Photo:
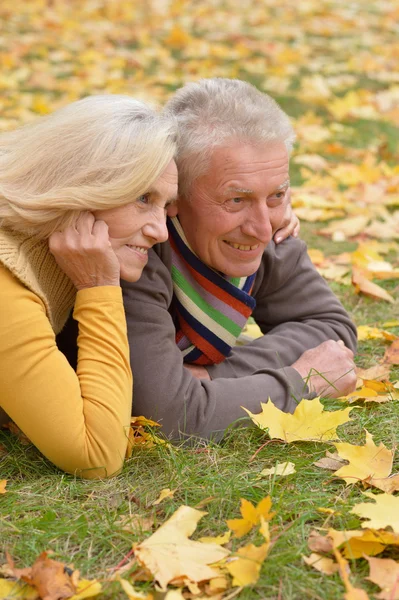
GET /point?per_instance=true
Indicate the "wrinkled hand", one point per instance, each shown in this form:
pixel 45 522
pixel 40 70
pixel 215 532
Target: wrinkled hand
pixel 85 254
pixel 197 371
pixel 328 369
pixel 290 224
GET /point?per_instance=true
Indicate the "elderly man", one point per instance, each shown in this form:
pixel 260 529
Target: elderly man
pixel 220 266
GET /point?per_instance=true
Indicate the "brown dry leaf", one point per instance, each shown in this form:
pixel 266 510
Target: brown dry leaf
pixel 384 572
pixel 367 287
pixel 308 422
pixel 384 513
pixel 245 565
pixel 3 483
pixel 15 430
pixel 377 372
pixel 165 493
pixel 331 461
pixel 321 563
pixel 48 577
pixel 319 543
pixel 170 554
pixel 251 516
pixel 52 581
pixel 369 463
pixel 391 356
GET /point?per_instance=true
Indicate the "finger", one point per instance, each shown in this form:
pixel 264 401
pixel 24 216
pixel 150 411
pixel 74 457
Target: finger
pixel 283 233
pixel 85 222
pixel 100 231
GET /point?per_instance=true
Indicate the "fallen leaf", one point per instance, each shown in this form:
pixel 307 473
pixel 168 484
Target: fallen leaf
pixel 321 563
pixel 364 332
pixel 165 493
pixel 347 228
pixel 392 354
pixel 251 516
pixel 49 577
pixel 366 462
pixel 308 422
pixel 18 590
pixel 352 593
pixel 376 372
pixel 169 554
pixel 132 593
pixel 87 589
pixel 220 540
pixel 319 543
pixel 3 483
pixel 384 513
pixel 245 565
pixel 331 461
pixel 384 572
pixel 367 287
pixel 281 469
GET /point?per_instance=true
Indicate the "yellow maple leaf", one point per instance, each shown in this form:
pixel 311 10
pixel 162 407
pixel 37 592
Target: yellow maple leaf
pixel 281 469
pixel 309 421
pixel 246 564
pixel 220 540
pixel 369 463
pixel 251 516
pixel 17 590
pixel 165 493
pixel 364 332
pixel 169 553
pixel 3 483
pixel 384 513
pixel 132 593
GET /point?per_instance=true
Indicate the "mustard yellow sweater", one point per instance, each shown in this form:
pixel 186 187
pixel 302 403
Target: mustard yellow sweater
pixel 79 420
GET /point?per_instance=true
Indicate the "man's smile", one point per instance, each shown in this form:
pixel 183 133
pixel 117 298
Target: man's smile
pixel 244 247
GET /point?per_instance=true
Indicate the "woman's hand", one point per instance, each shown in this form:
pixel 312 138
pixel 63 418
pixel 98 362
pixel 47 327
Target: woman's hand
pixel 85 254
pixel 290 224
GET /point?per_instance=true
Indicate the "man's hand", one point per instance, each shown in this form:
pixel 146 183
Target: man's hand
pixel 328 369
pixel 85 254
pixel 289 225
pixel 198 371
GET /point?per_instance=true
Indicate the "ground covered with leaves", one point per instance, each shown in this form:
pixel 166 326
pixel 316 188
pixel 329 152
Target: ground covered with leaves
pixel 333 489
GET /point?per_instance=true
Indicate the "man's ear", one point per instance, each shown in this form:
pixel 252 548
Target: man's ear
pixel 171 210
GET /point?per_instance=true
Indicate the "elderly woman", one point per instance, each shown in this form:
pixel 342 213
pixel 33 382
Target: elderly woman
pixel 83 196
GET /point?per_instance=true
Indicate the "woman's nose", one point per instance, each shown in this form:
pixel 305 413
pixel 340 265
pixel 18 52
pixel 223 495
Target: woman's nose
pixel 156 228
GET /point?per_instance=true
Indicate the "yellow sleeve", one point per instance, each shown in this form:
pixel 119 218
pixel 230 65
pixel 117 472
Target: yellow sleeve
pixel 79 420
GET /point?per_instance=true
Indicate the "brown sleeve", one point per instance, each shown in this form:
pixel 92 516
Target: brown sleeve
pixel 165 391
pixel 296 310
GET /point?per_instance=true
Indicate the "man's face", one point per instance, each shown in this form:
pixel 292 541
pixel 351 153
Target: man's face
pixel 235 208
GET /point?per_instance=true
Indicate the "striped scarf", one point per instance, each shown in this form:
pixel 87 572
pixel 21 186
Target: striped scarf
pixel 211 309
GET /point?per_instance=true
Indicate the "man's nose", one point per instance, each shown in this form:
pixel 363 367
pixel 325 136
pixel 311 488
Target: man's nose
pixel 156 227
pixel 258 224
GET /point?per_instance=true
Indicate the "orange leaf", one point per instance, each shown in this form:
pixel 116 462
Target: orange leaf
pixel 392 354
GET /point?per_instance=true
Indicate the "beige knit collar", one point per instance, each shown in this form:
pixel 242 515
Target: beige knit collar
pixel 30 260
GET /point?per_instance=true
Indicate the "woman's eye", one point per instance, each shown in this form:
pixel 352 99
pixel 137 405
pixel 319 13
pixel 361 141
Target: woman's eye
pixel 143 199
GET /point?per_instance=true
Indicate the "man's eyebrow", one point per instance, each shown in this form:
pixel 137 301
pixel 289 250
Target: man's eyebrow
pixel 285 184
pixel 234 190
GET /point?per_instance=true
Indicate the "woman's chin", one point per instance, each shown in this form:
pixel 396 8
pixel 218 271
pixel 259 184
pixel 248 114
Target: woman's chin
pixel 131 274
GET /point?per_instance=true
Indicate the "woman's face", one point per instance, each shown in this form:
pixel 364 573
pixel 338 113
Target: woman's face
pixel 137 226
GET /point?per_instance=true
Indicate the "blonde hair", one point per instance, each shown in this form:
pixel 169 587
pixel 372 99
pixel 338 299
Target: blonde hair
pixel 215 112
pixel 97 153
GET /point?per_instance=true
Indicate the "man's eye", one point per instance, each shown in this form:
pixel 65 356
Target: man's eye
pixel 235 201
pixel 143 199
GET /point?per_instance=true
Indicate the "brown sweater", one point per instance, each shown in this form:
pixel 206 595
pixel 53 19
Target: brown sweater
pixel 295 309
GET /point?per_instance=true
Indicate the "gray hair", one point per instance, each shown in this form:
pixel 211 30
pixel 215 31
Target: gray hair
pixel 215 112
pixel 97 153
